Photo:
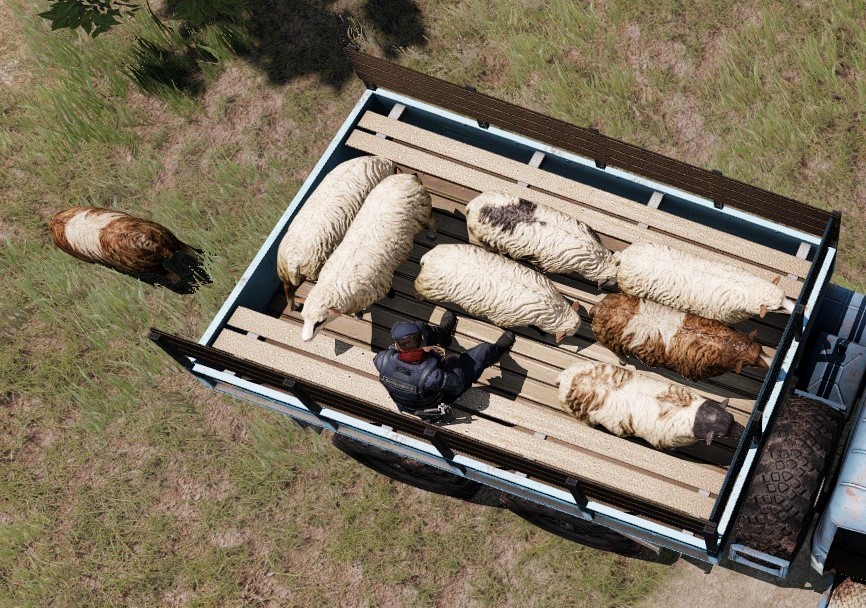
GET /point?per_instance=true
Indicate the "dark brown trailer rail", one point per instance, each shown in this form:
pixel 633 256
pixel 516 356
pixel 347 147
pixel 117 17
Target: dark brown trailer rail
pixel 445 441
pixel 375 72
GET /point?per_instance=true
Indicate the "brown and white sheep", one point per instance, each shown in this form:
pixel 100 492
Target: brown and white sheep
pixel 631 404
pixel 693 284
pixel 324 218
pixel 493 287
pixel 693 346
pixel 117 239
pixel 546 238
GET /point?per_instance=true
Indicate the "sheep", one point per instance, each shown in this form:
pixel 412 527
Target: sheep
pixel 692 284
pixel 626 403
pixel 490 286
pixel 322 222
pixel 361 269
pixel 117 239
pixel 694 347
pixel 549 239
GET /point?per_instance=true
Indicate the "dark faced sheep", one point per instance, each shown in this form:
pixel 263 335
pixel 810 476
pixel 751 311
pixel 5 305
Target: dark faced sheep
pixel 695 347
pixel 630 404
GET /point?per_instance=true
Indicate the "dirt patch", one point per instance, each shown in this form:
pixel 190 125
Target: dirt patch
pixel 690 586
pixel 13 49
pixel 682 117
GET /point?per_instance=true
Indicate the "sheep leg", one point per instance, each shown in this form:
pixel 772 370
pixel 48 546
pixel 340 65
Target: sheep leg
pixel 431 228
pixel 191 251
pixel 171 275
pixel 391 294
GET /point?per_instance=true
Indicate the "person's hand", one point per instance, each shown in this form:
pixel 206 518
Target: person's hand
pixel 436 349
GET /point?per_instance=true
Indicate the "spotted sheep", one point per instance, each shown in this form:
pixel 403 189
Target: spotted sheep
pixel 693 284
pixel 694 347
pixel 630 404
pixel 548 239
pixel 495 288
pixel 117 239
pixel 324 218
pixel 381 237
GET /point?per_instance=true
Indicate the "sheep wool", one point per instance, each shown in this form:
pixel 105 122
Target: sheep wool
pixel 630 404
pixel 490 286
pixel 361 269
pixel 548 239
pixel 116 239
pixel 695 347
pixel 692 284
pixel 323 219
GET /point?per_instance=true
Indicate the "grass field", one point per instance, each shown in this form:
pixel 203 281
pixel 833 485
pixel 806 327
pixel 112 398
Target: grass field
pixel 125 483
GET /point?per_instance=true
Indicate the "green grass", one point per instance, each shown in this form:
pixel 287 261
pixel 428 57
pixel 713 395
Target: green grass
pixel 124 482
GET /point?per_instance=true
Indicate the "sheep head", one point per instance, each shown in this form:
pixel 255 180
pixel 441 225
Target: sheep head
pixel 315 320
pixel 713 420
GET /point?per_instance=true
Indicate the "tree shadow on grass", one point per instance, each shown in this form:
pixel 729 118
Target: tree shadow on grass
pixel 285 40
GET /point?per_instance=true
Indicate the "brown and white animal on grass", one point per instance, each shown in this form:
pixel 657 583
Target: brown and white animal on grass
pixel 693 346
pixel 630 404
pixel 117 239
pixel 548 239
pixel 693 284
pixel 495 288
pixel 361 269
pixel 324 218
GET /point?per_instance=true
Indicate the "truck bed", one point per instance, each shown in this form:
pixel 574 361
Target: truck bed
pixel 515 405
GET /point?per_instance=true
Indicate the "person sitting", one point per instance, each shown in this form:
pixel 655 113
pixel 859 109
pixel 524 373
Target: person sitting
pixel 419 377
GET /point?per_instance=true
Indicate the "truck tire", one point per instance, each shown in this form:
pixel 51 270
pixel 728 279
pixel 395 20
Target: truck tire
pixel 791 466
pixel 407 470
pixel 572 528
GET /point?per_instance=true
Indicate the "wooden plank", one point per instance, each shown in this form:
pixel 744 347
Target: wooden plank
pixel 780 262
pixel 543 360
pixel 615 227
pixel 551 423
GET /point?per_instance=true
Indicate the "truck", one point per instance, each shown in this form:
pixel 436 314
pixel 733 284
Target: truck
pixel 799 465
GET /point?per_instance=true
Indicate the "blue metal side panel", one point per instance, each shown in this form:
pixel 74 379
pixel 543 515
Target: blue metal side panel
pixel 847 506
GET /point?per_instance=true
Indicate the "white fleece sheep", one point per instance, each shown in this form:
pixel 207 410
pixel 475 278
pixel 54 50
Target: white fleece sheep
pixel 322 222
pixel 549 239
pixel 692 284
pixel 361 269
pixel 625 403
pixel 490 286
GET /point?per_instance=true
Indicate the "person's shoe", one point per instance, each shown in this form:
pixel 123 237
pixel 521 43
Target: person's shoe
pixel 505 342
pixel 447 327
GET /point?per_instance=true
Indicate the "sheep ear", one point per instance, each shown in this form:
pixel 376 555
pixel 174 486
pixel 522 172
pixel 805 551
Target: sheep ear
pixel 752 334
pixel 777 279
pixel 575 306
pixel 725 403
pixel 560 336
pixel 601 282
pixel 709 437
pixel 397 170
pixel 762 312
